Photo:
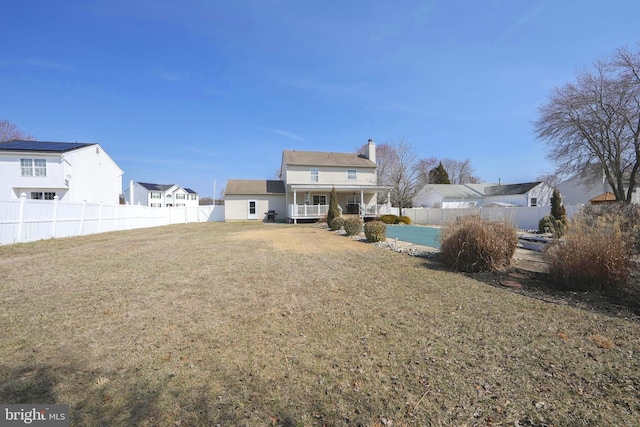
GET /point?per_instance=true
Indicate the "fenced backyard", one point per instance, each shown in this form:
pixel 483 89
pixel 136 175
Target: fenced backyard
pixel 206 324
pixel 26 220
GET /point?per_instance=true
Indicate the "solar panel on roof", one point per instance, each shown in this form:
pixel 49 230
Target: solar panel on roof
pixel 57 147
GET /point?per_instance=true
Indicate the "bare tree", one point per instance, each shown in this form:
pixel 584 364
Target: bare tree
pixel 594 123
pixel 551 179
pixel 403 174
pixel 400 169
pixel 459 171
pixel 425 166
pixel 9 131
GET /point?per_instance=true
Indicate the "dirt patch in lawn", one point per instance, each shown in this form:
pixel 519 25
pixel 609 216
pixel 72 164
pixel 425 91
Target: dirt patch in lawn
pixel 301 240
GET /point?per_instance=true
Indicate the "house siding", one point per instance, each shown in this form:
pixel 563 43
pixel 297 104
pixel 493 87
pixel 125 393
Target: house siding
pixel 329 175
pixel 94 175
pixel 237 207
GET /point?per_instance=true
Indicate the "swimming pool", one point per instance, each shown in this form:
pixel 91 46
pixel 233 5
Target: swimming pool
pixel 418 234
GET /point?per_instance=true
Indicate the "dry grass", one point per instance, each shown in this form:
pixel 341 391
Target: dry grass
pixel 247 324
pixel 475 244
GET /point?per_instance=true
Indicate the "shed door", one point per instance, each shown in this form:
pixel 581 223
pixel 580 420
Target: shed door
pixel 253 209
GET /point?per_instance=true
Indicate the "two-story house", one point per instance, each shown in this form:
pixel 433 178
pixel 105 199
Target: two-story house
pixel 306 181
pixel 160 195
pixel 65 171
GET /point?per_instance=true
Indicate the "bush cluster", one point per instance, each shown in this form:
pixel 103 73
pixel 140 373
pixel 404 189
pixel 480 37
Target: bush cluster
pixel 337 223
pixel 375 231
pixel 549 224
pixel 395 219
pixel 352 225
pixel 474 244
pixel 620 215
pixel 389 219
pixel 595 253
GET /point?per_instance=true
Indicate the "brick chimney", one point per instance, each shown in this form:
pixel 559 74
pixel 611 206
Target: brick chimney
pixel 370 151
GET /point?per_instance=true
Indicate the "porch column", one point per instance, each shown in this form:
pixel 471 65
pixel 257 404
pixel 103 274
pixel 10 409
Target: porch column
pixel 295 208
pixel 363 211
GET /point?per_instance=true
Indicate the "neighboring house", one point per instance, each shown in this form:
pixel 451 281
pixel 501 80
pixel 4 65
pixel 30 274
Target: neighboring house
pixel 581 188
pixel 451 196
pixel 160 195
pixel 306 181
pixel 70 172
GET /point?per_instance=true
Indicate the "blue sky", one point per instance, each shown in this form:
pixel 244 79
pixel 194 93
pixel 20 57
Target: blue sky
pixel 194 91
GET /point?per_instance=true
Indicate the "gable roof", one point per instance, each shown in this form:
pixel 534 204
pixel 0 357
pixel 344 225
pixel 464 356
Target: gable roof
pixel 510 189
pixel 41 146
pixel 254 186
pixel 320 158
pixel 190 191
pixel 455 190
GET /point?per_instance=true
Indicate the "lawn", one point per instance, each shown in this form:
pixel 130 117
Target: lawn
pixel 264 325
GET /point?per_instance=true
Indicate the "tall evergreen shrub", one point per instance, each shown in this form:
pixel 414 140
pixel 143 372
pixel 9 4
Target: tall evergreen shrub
pixel 334 211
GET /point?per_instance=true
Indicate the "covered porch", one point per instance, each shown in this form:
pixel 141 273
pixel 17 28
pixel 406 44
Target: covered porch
pixel 311 202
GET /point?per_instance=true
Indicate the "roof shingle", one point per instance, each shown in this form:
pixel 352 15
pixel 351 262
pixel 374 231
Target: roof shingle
pixel 319 158
pixel 254 186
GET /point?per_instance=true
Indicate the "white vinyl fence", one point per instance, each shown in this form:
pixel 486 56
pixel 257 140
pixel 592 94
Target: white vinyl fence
pixel 524 218
pixel 27 220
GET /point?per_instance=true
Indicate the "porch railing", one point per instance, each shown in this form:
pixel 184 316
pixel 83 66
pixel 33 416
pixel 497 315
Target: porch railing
pixel 318 211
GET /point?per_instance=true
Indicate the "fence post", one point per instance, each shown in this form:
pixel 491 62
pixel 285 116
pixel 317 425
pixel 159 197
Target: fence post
pixel 100 219
pixel 23 198
pixel 84 206
pixel 56 200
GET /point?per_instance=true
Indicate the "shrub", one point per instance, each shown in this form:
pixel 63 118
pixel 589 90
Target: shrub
pixel 375 231
pixel 474 244
pixel 352 225
pixel 389 219
pixel 552 225
pixel 589 257
pixel 337 223
pixel 625 216
pixel 334 211
pixel 404 219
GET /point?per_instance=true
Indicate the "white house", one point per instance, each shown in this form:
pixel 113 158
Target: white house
pixel 306 181
pixel 70 172
pixel 160 195
pixel 581 188
pixel 449 196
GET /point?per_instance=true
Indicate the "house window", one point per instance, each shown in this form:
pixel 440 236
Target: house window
pixel 351 174
pixel 534 201
pixel 33 167
pixel 180 204
pixel 180 196
pixel 39 195
pixel 193 197
pixel 156 196
pixel 314 174
pixel 319 199
pixel 156 205
pixel 353 200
